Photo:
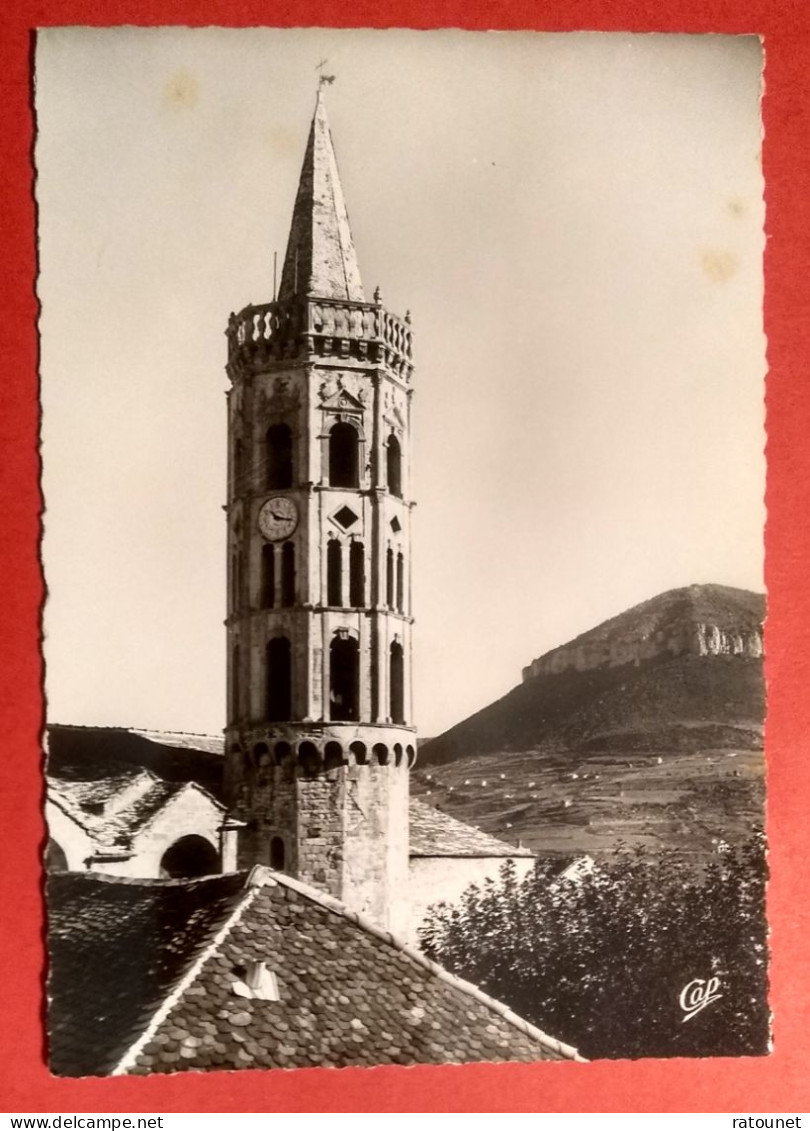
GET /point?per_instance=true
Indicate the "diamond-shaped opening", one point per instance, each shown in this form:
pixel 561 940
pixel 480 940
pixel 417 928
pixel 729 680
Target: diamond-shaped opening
pixel 396 526
pixel 346 517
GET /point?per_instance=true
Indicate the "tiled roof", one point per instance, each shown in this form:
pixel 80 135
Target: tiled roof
pixel 434 833
pixel 117 947
pixel 348 993
pixel 183 740
pixel 116 825
pixel 91 752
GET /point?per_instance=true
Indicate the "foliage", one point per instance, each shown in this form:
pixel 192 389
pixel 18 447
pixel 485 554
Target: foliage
pixel 600 961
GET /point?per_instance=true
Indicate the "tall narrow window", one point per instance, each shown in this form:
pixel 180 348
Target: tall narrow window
pixel 288 574
pixel 389 578
pixel 277 854
pixel 400 583
pixel 344 679
pixel 334 573
pixel 268 575
pixel 394 464
pixel 235 581
pixel 397 684
pixel 238 466
pixel 357 579
pixel 234 704
pixel 343 456
pixel 279 456
pixel 279 680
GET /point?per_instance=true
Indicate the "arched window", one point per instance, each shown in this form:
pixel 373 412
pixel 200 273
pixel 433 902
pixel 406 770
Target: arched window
pixel 189 857
pixel 279 456
pixel 238 466
pixel 236 582
pixel 400 583
pixel 397 684
pixel 394 466
pixel 344 679
pixel 389 578
pixel 288 574
pixel 268 575
pixel 357 579
pixel 279 680
pixel 344 462
pixel 235 684
pixel 334 573
pixel 277 854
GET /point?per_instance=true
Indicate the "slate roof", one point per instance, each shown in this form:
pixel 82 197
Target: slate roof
pixel 433 833
pixel 145 976
pixel 117 825
pixel 117 947
pixel 320 257
pixel 183 740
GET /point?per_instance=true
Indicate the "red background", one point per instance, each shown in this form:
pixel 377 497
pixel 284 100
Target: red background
pixel 779 1083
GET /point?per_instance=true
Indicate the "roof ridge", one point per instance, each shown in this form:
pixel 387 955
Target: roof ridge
pixel 162 730
pixel 170 1000
pixel 58 802
pixel 260 876
pixel 176 790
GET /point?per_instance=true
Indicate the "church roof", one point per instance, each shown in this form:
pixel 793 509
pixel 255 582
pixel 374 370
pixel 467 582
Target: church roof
pixel 150 976
pixel 433 833
pixel 320 259
pixel 114 809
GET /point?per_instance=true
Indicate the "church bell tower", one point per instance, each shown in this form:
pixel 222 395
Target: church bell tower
pixel 319 739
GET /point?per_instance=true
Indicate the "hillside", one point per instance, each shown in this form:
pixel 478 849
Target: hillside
pixel 648 729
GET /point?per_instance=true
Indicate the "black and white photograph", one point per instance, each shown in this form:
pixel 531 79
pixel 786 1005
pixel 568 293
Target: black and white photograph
pixel 403 466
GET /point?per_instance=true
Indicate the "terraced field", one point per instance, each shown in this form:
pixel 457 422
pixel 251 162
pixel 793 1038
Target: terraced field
pixel 566 803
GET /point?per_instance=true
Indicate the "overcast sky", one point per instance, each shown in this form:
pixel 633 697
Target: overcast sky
pixel 575 222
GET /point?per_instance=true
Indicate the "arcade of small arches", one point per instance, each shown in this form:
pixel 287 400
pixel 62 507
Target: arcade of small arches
pixel 315 757
pixel 344 441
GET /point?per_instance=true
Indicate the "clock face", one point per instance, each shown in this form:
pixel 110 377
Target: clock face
pixel 278 518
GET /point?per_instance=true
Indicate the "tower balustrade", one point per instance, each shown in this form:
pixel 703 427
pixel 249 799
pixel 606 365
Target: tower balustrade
pixel 303 327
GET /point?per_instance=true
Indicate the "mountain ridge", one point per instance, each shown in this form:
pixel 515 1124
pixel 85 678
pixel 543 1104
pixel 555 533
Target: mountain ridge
pixel 645 729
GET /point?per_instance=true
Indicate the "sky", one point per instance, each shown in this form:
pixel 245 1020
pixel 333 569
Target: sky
pixel 575 222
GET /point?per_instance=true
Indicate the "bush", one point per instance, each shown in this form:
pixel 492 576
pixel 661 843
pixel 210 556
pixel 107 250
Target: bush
pixel 601 962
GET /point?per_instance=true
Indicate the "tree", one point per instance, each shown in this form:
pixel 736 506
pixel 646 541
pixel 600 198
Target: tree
pixel 610 962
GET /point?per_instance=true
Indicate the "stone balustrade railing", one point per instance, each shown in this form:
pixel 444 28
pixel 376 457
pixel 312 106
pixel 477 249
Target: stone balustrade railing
pixel 301 327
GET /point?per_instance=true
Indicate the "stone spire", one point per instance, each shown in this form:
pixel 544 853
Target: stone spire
pixel 320 260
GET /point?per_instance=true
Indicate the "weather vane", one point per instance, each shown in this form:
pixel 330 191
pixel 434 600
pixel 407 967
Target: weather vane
pixel 324 79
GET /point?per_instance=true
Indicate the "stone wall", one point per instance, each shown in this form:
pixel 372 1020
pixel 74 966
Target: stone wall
pixel 189 813
pixel 343 824
pixel 697 640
